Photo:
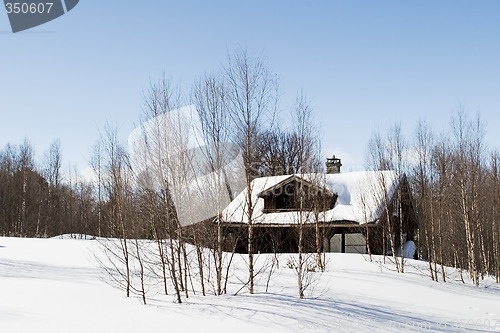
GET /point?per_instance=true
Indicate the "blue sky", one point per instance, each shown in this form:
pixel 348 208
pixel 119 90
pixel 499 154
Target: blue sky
pixel 363 64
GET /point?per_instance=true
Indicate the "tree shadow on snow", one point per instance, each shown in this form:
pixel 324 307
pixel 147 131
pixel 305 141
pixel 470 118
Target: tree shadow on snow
pixel 325 315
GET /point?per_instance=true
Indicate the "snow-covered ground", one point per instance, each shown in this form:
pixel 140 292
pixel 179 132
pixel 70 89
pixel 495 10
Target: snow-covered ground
pixel 54 285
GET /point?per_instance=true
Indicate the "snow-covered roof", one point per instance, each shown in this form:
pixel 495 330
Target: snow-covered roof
pixel 360 198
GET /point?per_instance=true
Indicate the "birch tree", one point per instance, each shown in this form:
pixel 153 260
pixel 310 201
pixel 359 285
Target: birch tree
pixel 153 156
pixel 211 101
pixel 396 151
pixel 468 150
pixel 495 211
pixel 422 171
pixel 117 186
pixel 53 163
pixel 252 99
pixel 378 159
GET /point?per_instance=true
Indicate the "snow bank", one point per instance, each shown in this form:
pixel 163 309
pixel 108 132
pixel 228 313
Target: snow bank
pixel 53 285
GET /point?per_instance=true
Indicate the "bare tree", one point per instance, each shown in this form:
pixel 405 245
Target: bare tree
pixel 440 213
pixel 153 161
pixel 469 150
pixel 26 164
pixel 309 202
pixel 379 159
pixel 53 175
pixel 96 163
pixel 252 98
pixel 170 155
pixel 397 149
pixel 117 185
pixel 142 275
pixel 422 171
pixel 210 99
pixel 495 180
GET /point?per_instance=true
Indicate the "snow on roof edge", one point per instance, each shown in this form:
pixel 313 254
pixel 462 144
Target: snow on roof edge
pixel 360 198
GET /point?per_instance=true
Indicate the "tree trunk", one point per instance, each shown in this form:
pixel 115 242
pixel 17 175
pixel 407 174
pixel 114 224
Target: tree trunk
pixel 318 245
pixel 199 255
pixel 219 257
pixel 469 234
pixel 141 271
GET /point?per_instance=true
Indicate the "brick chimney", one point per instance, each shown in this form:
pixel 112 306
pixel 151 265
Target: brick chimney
pixel 333 165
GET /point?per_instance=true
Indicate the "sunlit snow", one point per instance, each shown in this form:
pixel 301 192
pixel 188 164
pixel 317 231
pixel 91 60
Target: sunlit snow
pixel 54 285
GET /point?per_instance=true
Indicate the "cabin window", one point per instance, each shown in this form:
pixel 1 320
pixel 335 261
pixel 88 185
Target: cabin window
pixel 294 196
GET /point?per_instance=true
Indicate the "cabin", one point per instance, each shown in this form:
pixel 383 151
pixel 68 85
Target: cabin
pixel 352 212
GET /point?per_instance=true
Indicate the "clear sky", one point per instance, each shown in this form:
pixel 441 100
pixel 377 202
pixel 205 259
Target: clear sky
pixel 363 64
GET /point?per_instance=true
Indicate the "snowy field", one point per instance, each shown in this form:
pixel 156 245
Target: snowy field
pixel 55 285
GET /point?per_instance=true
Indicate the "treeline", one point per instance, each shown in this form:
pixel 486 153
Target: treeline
pixel 455 184
pixel 34 199
pixel 38 199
